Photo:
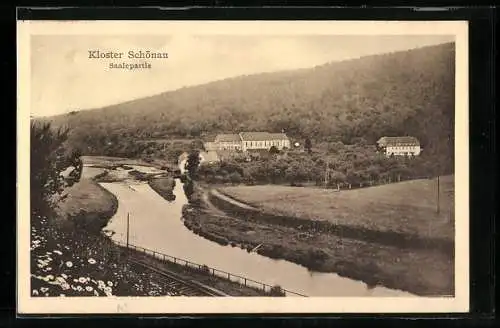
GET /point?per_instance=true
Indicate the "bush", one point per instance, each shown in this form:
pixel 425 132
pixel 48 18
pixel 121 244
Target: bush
pixel 235 177
pixel 276 290
pixel 205 269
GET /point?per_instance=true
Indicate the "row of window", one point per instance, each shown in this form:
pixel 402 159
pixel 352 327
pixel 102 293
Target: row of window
pixel 401 148
pixel 254 144
pixel 263 143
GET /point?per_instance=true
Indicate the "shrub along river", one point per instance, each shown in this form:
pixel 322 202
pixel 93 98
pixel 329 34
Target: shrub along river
pixel 156 224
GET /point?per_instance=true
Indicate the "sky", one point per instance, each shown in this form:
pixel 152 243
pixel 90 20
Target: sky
pixel 64 79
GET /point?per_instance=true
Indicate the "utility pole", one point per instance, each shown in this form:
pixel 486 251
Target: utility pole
pixel 326 173
pixel 438 194
pixel 128 228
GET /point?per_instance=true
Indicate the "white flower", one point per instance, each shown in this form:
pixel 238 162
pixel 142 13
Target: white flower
pixel 96 293
pixel 82 280
pixel 65 286
pixel 110 284
pixel 107 289
pixel 89 288
pixel 79 288
pixel 91 261
pixel 69 264
pixel 34 292
pixel 44 289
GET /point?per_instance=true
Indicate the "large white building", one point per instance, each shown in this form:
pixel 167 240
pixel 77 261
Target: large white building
pixel 399 146
pixel 246 141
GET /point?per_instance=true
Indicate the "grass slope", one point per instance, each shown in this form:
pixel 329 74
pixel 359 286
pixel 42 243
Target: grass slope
pixel 87 205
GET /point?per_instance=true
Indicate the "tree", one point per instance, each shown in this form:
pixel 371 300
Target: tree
pixel 308 145
pixel 235 177
pixel 192 164
pixel 49 158
pixel 273 150
pixel 337 177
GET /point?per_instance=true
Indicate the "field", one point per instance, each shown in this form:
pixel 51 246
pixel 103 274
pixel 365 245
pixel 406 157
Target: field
pixel 407 207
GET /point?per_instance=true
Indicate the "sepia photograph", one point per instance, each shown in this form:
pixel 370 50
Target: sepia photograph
pixel 264 167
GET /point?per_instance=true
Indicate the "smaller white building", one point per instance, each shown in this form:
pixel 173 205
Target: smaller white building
pixel 399 146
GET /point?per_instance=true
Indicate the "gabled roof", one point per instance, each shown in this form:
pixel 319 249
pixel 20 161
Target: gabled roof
pixel 232 137
pixel 262 136
pixel 279 136
pixel 395 141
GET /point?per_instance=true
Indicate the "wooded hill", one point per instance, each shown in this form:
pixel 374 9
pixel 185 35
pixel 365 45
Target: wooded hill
pixel 355 101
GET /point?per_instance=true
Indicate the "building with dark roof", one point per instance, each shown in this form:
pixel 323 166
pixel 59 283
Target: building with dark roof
pixel 230 141
pixel 399 146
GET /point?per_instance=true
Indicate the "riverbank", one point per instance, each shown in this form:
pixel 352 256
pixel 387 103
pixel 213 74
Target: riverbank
pixel 163 186
pixel 418 271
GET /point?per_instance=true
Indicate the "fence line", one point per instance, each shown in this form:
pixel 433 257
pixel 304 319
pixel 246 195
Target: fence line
pixel 371 183
pixel 245 281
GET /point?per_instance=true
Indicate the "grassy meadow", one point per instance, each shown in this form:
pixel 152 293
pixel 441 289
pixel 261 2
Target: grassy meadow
pixel 407 207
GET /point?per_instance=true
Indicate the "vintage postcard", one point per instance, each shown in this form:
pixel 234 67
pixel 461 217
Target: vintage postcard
pixel 242 167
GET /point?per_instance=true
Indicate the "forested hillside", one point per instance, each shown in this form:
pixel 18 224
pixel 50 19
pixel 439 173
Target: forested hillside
pixel 354 101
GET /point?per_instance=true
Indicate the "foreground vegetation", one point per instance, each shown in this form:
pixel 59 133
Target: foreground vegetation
pixel 74 262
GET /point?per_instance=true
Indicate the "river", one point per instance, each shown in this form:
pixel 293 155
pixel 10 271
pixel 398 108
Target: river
pixel 156 224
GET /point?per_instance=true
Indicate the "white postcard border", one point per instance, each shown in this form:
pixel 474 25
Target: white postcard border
pixel 164 305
